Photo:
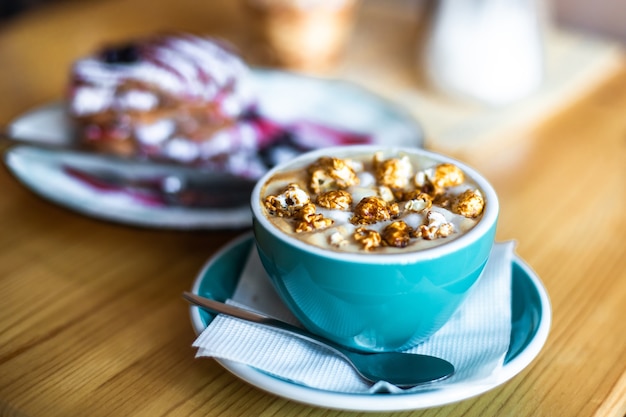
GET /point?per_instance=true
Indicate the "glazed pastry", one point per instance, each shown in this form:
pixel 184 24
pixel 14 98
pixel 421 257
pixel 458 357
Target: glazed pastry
pixel 171 97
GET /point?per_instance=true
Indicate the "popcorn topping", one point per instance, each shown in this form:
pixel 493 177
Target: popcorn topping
pixel 372 210
pixel 309 220
pixel 331 173
pixel 397 234
pixel 285 204
pixel 336 199
pixel 369 239
pixel 447 175
pixel 435 226
pixel 374 204
pixel 393 173
pixel 469 204
pixel 337 240
pixel 437 179
pixel 386 194
pixel 417 201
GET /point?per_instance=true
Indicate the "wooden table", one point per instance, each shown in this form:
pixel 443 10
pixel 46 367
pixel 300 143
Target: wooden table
pixel 91 318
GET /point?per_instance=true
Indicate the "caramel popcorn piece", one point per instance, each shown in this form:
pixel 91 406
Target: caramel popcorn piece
pixel 369 239
pixel 394 173
pixel 422 182
pixel 309 220
pixel 386 193
pixel 435 226
pixel 397 234
pixel 330 173
pixel 335 199
pixel 469 204
pixel 437 179
pixel 287 202
pixel 447 175
pixel 337 240
pixel 417 201
pixel 373 209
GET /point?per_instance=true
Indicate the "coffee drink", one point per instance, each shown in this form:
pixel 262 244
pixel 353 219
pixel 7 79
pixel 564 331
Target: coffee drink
pixel 373 203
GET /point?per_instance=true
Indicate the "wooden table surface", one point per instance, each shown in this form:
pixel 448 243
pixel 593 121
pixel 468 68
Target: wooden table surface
pixel 91 318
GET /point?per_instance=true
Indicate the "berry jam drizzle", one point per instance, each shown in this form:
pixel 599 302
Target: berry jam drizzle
pixel 297 137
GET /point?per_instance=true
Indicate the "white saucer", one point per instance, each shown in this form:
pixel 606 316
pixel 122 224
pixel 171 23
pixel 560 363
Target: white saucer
pixel 283 96
pixel 531 318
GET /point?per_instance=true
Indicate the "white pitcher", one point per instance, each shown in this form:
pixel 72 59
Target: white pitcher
pixel 488 50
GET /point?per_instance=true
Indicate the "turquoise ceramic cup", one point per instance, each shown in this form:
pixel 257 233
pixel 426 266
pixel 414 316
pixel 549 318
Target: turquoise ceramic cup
pixel 368 301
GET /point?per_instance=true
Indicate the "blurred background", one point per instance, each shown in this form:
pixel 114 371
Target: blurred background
pixel 602 17
pixel 473 73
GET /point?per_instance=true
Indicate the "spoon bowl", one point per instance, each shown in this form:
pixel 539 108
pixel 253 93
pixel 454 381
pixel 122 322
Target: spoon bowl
pixel 401 369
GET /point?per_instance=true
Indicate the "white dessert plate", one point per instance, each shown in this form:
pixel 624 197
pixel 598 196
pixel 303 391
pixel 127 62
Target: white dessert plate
pixel 283 98
pixel 531 318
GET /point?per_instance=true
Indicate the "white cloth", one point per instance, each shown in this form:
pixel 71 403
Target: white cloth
pixel 475 340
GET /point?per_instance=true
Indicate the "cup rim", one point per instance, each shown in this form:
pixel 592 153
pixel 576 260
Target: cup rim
pixel 489 216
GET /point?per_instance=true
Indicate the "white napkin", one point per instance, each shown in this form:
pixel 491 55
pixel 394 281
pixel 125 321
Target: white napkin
pixel 475 340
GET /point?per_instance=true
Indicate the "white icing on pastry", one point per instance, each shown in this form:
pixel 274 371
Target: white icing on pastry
pixel 185 67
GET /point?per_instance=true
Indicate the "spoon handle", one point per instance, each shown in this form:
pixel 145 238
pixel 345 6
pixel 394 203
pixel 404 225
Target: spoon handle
pixel 401 369
pixel 244 314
